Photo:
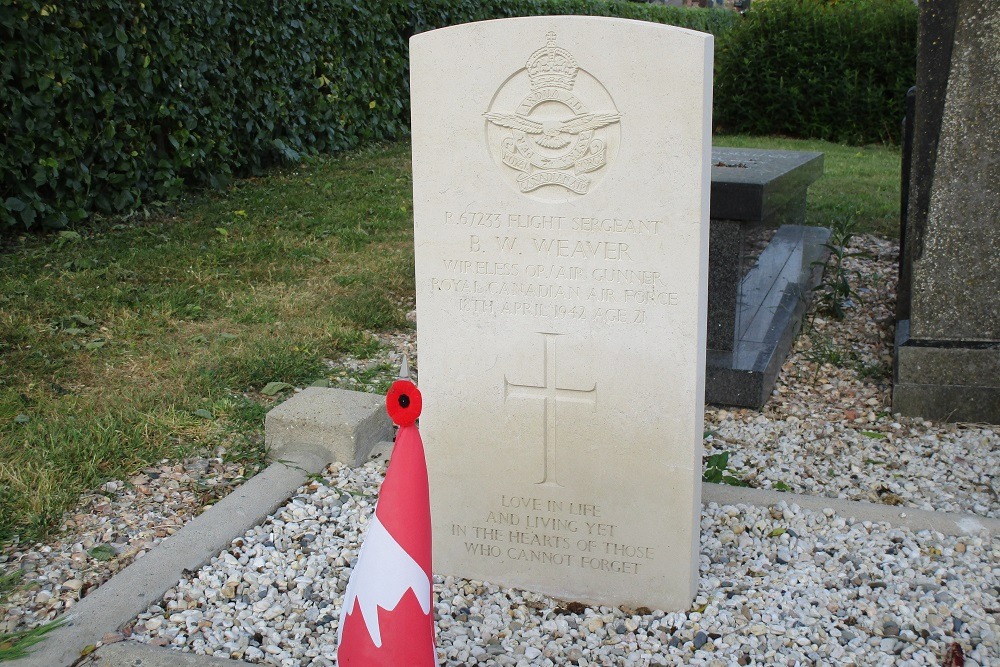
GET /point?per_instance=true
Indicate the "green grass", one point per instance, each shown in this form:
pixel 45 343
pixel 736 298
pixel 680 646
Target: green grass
pixel 134 340
pixel 117 340
pixel 15 645
pixel 8 581
pixel 861 183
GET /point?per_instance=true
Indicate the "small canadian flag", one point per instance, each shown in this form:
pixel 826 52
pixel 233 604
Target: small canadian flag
pixel 387 619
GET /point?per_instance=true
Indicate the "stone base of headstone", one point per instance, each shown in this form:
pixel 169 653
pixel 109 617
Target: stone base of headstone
pixel 946 381
pixel 773 299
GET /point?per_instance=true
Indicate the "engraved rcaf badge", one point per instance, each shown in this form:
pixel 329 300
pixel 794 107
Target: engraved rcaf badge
pixel 552 127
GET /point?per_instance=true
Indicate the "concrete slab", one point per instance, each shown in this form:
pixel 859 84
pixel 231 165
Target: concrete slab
pixel 902 517
pixel 344 423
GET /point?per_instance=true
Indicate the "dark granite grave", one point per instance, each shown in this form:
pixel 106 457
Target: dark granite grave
pixel 948 329
pixel 758 290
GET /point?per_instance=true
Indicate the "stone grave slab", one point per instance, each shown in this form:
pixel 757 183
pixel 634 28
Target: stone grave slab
pixel 772 301
pixel 757 297
pixel 561 194
pixel 762 186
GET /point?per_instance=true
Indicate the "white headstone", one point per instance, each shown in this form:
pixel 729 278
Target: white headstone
pixel 561 170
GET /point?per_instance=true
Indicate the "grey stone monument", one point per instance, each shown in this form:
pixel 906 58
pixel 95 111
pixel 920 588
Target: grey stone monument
pixel 948 329
pixel 763 265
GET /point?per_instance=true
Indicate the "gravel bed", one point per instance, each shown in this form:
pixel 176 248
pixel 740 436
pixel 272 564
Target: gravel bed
pixel 779 586
pixel 107 531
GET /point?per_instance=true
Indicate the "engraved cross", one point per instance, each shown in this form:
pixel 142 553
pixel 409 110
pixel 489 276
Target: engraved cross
pixel 552 394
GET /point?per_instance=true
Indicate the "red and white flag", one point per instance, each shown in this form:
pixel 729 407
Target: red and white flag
pixel 387 619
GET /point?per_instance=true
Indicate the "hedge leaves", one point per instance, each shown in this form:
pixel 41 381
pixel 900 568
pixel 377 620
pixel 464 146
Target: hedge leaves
pixel 826 69
pixel 106 105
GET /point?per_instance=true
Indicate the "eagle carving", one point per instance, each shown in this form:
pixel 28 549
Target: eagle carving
pixel 554 133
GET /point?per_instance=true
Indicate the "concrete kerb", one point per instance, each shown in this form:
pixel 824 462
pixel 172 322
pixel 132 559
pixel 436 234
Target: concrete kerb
pixel 362 429
pixel 134 654
pixel 355 422
pixel 945 523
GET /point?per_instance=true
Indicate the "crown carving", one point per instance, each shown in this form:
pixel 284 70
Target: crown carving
pixel 552 66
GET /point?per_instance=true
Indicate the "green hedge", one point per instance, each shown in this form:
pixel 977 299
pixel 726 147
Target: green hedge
pixel 109 104
pixel 828 69
pixel 431 14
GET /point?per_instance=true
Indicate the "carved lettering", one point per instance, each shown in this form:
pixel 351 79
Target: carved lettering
pixel 615 225
pixel 551 523
pixel 651 298
pixel 529 290
pixel 535 221
pixel 505 243
pixel 521 502
pixel 628 551
pixel 600 529
pixel 539 540
pixel 473 219
pixel 526 289
pixel 608 565
pixel 554 271
pixel 486 550
pixel 503 518
pixel 626 276
pixel 611 315
pixel 450 285
pixel 539 556
pixel 481 533
pixel 584 509
pixel 467 266
pixel 600 295
pixel 608 250
pixel 554 532
pixel 589 224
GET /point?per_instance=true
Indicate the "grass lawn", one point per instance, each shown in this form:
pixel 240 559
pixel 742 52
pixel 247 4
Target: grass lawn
pixel 150 338
pixel 860 183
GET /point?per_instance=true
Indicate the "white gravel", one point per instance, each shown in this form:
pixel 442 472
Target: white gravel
pixel 779 586
pixel 107 531
pixel 904 462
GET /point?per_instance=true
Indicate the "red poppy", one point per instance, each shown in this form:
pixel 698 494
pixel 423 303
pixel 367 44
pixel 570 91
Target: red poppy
pixel 403 402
